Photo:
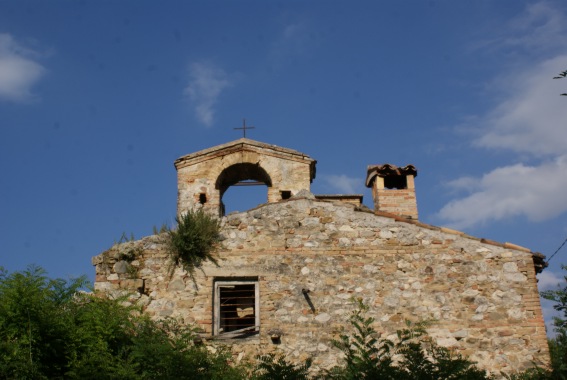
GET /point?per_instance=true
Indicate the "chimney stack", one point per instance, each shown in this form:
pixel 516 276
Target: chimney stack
pixel 393 189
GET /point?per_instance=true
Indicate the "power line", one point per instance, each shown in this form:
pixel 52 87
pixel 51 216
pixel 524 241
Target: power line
pixel 557 250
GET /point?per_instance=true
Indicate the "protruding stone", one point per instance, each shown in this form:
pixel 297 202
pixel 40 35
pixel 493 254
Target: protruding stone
pixel 121 267
pixel 323 317
pixel 176 284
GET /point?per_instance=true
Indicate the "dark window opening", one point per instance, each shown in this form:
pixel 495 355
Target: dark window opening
pixel 236 308
pixel 286 194
pixel 396 182
pixel 202 198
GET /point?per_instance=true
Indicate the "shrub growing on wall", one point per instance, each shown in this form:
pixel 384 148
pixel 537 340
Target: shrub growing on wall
pixel 194 240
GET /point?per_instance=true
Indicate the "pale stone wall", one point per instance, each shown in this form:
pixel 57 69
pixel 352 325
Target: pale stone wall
pixel 481 297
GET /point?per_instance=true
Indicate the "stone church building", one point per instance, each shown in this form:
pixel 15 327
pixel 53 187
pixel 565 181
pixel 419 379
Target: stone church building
pixel 289 270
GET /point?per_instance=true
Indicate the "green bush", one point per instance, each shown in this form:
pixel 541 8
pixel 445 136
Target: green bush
pixel 49 330
pixel 194 240
pixel 368 356
pixel 35 324
pixel 557 345
pixel 270 367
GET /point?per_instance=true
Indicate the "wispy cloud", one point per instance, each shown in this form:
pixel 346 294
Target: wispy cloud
pixel 547 280
pixel 533 118
pixel 540 28
pixel 536 192
pixel 292 41
pixel 18 70
pixel 206 83
pixel 343 183
pixel 530 120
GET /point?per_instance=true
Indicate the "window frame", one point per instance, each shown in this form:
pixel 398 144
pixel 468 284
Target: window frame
pixel 244 332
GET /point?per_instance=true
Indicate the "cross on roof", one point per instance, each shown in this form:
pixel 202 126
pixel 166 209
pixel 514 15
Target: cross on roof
pixel 244 127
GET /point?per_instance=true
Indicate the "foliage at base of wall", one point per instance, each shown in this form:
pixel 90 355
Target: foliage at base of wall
pixel 557 345
pixel 194 240
pixel 272 367
pixel 412 356
pixel 49 329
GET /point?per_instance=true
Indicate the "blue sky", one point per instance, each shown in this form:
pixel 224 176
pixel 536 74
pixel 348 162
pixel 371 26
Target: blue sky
pixel 98 98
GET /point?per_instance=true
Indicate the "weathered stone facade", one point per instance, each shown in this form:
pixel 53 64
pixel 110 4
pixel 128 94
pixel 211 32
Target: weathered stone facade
pixel 309 258
pixel 204 176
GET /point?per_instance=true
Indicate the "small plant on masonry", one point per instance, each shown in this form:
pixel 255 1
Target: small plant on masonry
pixel 194 240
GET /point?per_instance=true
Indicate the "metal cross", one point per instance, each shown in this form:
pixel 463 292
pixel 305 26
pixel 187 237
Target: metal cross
pixel 244 127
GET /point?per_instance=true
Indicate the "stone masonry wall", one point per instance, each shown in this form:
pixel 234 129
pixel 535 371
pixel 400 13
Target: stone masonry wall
pixel 481 298
pixel 198 174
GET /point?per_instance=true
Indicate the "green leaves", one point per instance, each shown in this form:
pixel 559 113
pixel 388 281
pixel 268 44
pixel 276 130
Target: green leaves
pixel 34 324
pixel 368 356
pixel 49 330
pixel 194 240
pixel 561 75
pixel 557 345
pixel 270 367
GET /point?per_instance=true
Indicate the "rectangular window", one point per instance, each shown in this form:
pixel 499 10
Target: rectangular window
pixel 236 308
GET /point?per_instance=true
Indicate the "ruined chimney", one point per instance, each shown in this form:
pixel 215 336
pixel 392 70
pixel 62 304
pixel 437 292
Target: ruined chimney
pixel 393 189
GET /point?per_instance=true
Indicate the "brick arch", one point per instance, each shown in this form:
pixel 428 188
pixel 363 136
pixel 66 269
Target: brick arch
pixel 203 177
pixel 241 172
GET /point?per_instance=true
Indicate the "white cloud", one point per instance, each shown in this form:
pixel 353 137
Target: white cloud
pixel 293 41
pixel 539 29
pixel 206 83
pixel 541 26
pixel 464 183
pixel 18 71
pixel 342 183
pixel 536 192
pixel 530 120
pixel 533 118
pixel 547 280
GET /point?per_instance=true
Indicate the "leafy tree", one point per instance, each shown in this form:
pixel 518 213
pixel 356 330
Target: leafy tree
pixel 367 356
pixel 424 359
pixel 561 75
pixel 101 338
pixel 270 367
pixel 558 345
pixel 165 350
pixel 34 323
pixel 50 330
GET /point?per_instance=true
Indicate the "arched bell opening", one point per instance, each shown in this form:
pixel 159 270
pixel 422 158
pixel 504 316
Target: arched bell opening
pixel 240 177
